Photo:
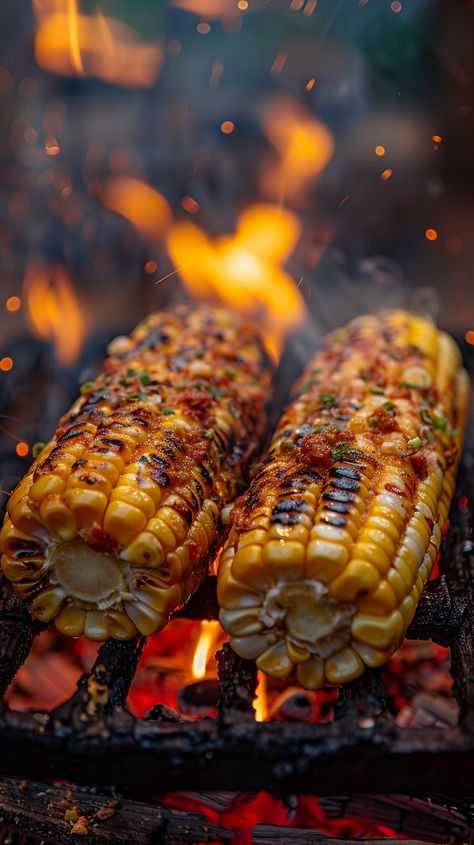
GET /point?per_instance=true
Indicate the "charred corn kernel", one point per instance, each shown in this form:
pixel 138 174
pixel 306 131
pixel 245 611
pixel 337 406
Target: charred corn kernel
pixel 71 621
pixel 346 510
pixel 121 510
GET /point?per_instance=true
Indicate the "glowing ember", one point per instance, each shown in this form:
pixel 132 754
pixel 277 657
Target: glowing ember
pixel 431 235
pixel 469 336
pixel 144 207
pixel 54 312
pixel 13 303
pixel 73 44
pixel 209 634
pixel 260 703
pixel 203 28
pixel 190 205
pixel 303 143
pixel 379 150
pixel 386 174
pixel 310 84
pixel 244 270
pixel 22 449
pixel 227 127
pixel 6 364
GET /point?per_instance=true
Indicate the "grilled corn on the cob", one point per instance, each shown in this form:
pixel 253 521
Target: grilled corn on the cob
pixel 112 527
pixel 333 543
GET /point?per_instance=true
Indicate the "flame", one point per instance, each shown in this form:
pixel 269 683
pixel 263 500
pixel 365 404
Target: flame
pixel 53 310
pixel 146 209
pixel 303 143
pixel 244 270
pixel 208 8
pixel 260 701
pixel 207 638
pixel 72 44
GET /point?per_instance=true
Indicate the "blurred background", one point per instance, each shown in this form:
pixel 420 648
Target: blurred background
pixel 301 160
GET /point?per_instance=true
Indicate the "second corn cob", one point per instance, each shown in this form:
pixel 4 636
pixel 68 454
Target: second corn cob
pixel 112 527
pixel 333 543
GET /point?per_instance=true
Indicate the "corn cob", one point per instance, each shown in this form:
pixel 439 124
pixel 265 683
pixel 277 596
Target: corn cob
pixel 112 527
pixel 331 547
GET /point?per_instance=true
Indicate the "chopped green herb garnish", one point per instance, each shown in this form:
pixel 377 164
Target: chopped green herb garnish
pixel 130 372
pixel 144 377
pixel 373 421
pixel 415 444
pixel 37 448
pixel 230 374
pixel 416 349
pixel 87 387
pixel 377 390
pixel 364 376
pixel 167 411
pixel 216 391
pixel 199 353
pixel 138 396
pixel 339 450
pixel 326 399
pixel 389 406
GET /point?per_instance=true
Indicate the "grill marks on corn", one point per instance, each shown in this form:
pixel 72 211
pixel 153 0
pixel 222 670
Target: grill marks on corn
pixel 339 530
pixel 136 471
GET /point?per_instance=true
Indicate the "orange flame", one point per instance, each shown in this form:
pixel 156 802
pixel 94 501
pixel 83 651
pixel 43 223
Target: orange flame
pixel 72 44
pixel 303 143
pixel 146 209
pixel 260 701
pixel 244 270
pixel 208 637
pixel 53 310
pixel 208 8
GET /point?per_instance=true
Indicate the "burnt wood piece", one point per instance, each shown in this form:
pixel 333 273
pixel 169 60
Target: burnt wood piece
pixel 237 684
pixel 370 755
pixel 41 810
pixel 17 632
pixel 364 695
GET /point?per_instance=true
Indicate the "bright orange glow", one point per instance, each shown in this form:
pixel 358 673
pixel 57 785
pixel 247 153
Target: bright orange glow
pixel 151 267
pixel 242 5
pixel 13 303
pixel 396 6
pixel 303 143
pixel 260 702
pixel 244 270
pixel 52 147
pixel 227 127
pixel 469 336
pixel 208 8
pixel 208 636
pixel 431 235
pixel 6 364
pixel 379 150
pixel 203 28
pixel 436 138
pixel 190 204
pixel 22 449
pixel 386 174
pixel 73 44
pixel 144 207
pixel 54 311
pixel 310 84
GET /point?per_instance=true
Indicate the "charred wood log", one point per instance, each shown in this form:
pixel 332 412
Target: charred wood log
pixel 62 815
pixel 237 684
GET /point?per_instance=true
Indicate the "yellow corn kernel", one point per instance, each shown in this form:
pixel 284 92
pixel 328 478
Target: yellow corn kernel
pixel 145 550
pixel 357 577
pixel 325 560
pixel 88 506
pixel 95 625
pixel 242 623
pixel 174 521
pixel 343 666
pixel 71 621
pixel 163 532
pixel 120 627
pixel 380 602
pixel 145 619
pixel 311 674
pixel 45 606
pixel 123 522
pixel 275 661
pixel 379 631
pixel 131 496
pixel 46 485
pixel 375 554
pixel 297 654
pixel 285 560
pixel 57 518
pixel 234 594
pixel 249 567
pixel 252 646
pixel 372 657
